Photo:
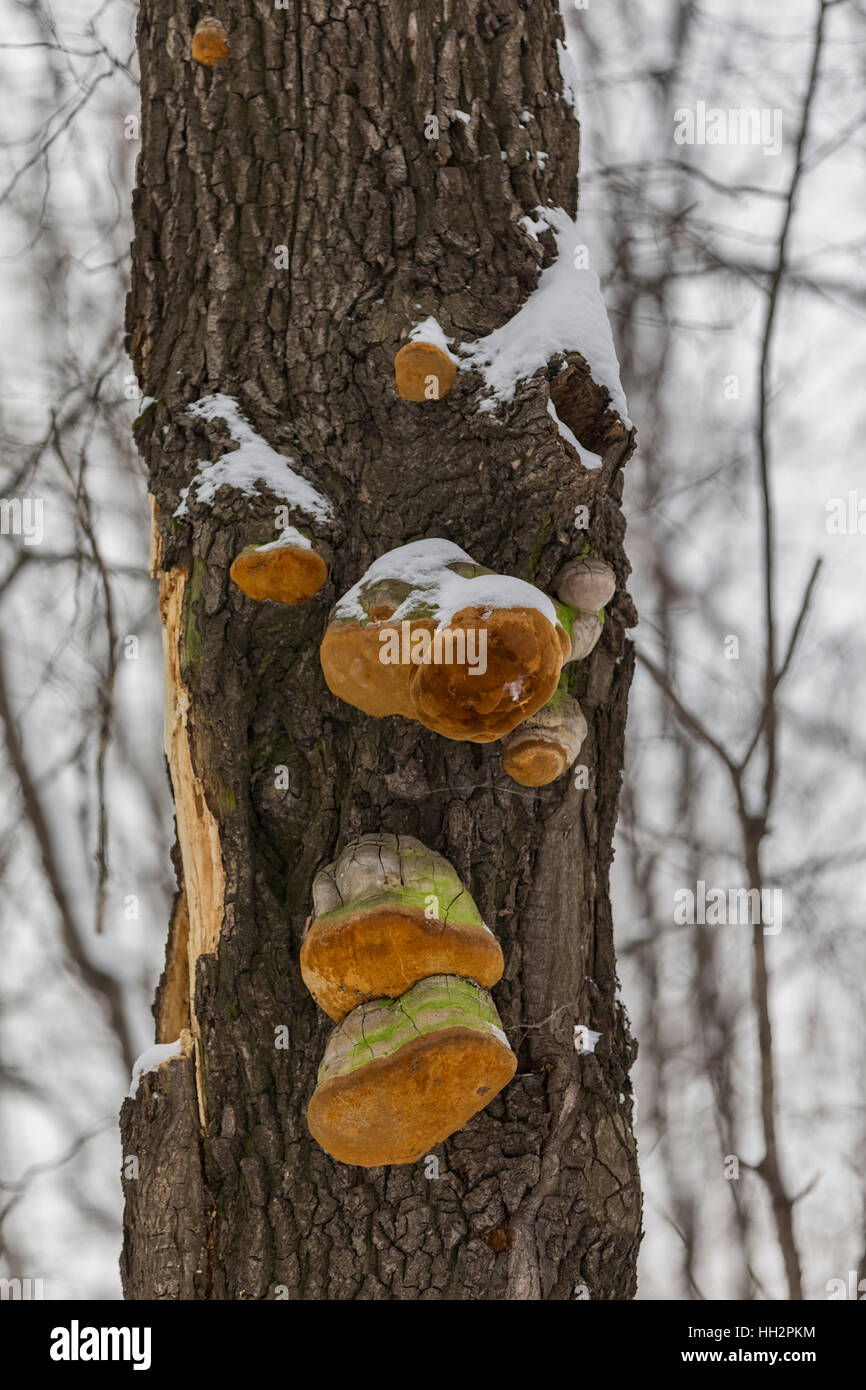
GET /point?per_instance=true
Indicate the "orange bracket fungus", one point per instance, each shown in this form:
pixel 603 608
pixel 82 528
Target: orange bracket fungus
pixel 210 42
pixel 424 369
pixel 387 913
pixel 400 1075
pixel 547 744
pixel 287 570
pixel 429 634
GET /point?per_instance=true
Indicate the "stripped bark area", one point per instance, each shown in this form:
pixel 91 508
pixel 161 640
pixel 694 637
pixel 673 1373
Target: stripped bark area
pixel 310 137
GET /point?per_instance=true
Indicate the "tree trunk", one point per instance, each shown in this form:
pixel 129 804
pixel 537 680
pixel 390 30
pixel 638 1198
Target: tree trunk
pixel 311 136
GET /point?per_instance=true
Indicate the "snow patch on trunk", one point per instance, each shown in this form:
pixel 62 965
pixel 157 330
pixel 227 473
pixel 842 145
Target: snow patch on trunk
pixel 584 1038
pixel 568 73
pixel 287 537
pixel 152 1058
pixel 430 331
pixel 587 457
pixel 564 313
pixel 252 464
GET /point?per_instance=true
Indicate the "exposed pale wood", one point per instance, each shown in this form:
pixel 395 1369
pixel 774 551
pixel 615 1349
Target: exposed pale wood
pixel 172 1004
pixel 197 827
pixel 155 564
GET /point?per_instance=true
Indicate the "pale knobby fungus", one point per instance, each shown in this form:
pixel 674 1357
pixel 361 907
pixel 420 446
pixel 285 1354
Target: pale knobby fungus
pixel 386 914
pixel 286 570
pixel 424 368
pixel 544 746
pixel 585 586
pixel 401 1075
pixel 210 42
pixel 477 652
pixel 586 583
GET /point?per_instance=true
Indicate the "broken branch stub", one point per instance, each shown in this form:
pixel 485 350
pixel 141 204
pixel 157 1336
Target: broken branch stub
pixel 401 1075
pixel 388 913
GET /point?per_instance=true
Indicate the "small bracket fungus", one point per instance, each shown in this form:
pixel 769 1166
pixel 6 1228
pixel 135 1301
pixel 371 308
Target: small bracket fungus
pixel 387 913
pixel 429 634
pixel 585 632
pixel 585 585
pixel 400 1075
pixel 423 372
pixel 546 745
pixel 286 570
pixel 210 42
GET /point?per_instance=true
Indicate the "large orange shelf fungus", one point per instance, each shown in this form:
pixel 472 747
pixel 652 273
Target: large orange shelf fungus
pixel 401 1075
pixel 387 913
pixel 210 42
pixel 287 570
pixel 429 634
pixel 547 744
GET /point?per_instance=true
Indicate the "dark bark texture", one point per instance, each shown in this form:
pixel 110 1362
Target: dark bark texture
pixel 312 137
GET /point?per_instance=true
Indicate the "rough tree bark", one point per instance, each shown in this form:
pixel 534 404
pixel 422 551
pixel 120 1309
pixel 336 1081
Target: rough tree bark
pixel 312 137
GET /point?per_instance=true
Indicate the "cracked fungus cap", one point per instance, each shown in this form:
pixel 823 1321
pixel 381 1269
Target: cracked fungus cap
pixel 587 584
pixel 401 1075
pixel 210 42
pixel 423 372
pixel 391 912
pixel 290 574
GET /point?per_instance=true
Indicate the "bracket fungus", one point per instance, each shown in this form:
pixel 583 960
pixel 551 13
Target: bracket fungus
pixel 547 744
pixel 210 42
pixel 585 586
pixel 387 913
pixel 400 1075
pixel 423 372
pixel 429 634
pixel 287 570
